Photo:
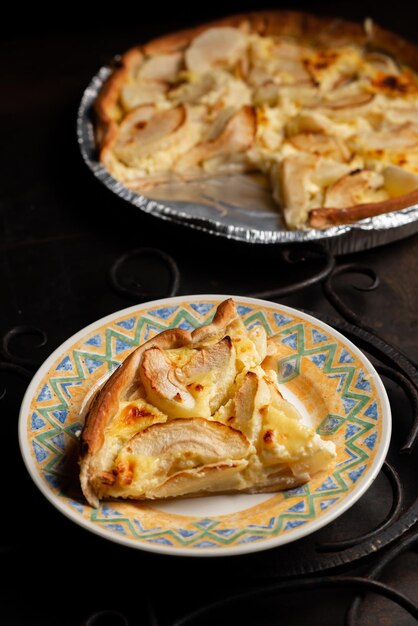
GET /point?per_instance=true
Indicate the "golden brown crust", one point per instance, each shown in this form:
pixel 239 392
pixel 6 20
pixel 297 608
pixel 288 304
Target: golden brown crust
pixel 107 100
pixel 322 218
pixel 224 315
pixel 302 26
pixel 178 483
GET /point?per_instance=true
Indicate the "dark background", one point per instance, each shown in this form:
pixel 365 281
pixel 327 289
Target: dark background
pixel 60 233
pixel 75 17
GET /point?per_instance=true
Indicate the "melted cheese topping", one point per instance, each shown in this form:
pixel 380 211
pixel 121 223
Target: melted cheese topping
pixel 180 356
pixel 285 438
pixel 133 417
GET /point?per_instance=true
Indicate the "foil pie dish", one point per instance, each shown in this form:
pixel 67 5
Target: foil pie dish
pixel 239 207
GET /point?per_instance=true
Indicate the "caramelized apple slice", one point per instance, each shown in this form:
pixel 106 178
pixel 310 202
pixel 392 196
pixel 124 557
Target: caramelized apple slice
pixel 321 144
pixel 381 62
pixel 398 181
pixel 237 136
pixel 205 442
pixel 137 119
pixel 136 94
pixel 288 71
pixel 216 47
pixel 311 121
pixel 401 114
pixel 143 138
pixel 160 380
pixel 207 360
pixel 191 93
pixel 349 101
pixel 251 393
pixel 356 188
pixel 161 68
pixel 196 389
pixel 392 138
pixel 215 365
pixel 217 477
pixel 226 314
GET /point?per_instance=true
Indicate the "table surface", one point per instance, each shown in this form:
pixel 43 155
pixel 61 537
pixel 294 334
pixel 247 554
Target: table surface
pixel 61 233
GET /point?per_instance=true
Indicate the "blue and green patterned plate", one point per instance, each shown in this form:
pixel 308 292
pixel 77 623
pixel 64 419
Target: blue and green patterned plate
pixel 333 384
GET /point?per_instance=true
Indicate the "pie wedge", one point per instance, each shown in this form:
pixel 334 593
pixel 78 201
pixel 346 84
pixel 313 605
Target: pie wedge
pixel 193 413
pixel 326 110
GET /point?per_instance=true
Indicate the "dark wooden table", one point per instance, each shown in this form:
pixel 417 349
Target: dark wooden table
pixel 61 232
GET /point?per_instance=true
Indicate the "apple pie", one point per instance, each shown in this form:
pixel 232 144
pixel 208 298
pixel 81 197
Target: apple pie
pixel 193 413
pixel 326 110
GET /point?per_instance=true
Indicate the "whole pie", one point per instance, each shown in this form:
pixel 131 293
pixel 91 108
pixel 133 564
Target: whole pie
pixel 192 413
pixel 326 109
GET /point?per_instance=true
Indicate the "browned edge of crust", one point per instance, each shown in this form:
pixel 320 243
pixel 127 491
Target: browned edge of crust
pixel 106 401
pixel 291 483
pixel 322 218
pixel 107 99
pixel 225 314
pixel 318 29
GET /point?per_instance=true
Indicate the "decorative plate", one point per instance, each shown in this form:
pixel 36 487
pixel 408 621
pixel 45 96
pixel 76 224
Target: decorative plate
pixel 333 384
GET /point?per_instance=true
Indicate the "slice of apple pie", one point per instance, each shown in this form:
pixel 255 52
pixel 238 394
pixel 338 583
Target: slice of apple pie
pixel 190 413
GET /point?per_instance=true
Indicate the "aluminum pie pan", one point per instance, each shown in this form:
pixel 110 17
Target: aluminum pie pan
pixel 247 214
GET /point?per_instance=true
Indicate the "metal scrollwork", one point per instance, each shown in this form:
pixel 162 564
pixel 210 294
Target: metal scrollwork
pixel 302 256
pixel 131 287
